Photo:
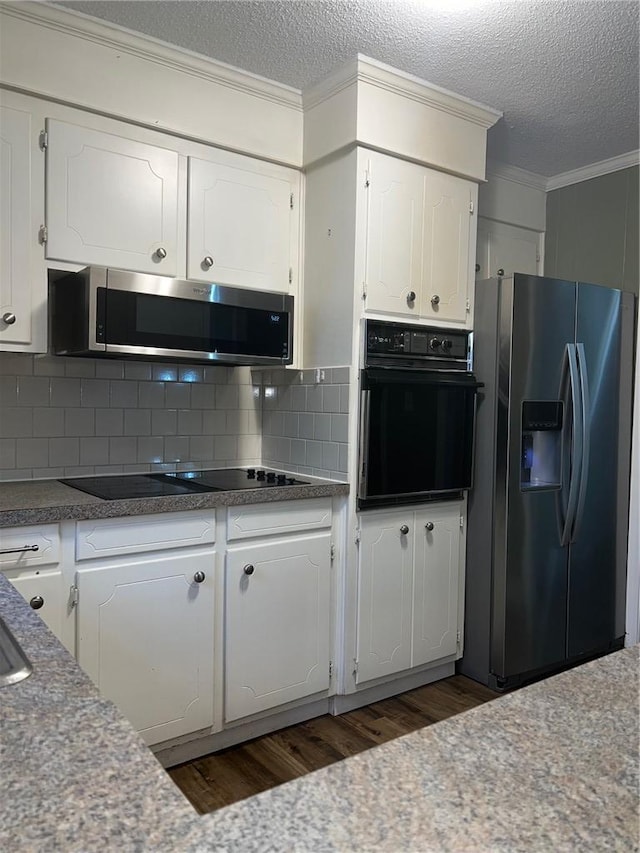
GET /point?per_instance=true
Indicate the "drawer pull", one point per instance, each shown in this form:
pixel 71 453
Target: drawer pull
pixel 249 569
pixel 199 577
pixel 404 529
pixel 37 602
pixel 20 550
pixel 429 526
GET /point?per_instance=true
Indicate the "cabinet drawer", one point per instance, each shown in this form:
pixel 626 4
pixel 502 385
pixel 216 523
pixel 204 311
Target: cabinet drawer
pixel 110 538
pixel 44 537
pixel 244 522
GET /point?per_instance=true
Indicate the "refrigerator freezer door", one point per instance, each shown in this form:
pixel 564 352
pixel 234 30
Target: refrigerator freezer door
pixel 596 565
pixel 530 565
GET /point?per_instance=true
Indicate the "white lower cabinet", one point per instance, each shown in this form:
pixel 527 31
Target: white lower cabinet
pixel 409 588
pixel 45 592
pixel 277 619
pixel 145 636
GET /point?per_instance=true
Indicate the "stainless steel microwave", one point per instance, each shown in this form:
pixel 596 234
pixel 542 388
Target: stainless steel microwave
pixel 103 312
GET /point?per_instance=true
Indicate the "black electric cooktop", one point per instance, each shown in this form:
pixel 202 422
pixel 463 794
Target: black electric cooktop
pixel 126 486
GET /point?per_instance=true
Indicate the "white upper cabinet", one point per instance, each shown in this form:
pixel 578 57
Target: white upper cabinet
pixel 111 201
pixel 420 241
pixel 394 235
pixel 20 294
pixel 242 222
pixel 506 249
pixel 449 248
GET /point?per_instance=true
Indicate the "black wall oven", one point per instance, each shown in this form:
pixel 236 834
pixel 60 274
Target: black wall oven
pixel 417 415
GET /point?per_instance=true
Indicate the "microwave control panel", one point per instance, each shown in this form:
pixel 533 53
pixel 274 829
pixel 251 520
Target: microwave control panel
pixel 399 340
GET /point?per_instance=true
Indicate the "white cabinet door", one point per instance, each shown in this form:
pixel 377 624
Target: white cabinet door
pixel 385 580
pixel 241 223
pixel 44 592
pixel 507 248
pixel 448 248
pixel 438 536
pixel 111 201
pixel 16 278
pixel 394 235
pixel 277 623
pixel 145 636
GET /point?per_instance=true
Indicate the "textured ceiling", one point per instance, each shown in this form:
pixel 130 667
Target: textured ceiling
pixel 564 72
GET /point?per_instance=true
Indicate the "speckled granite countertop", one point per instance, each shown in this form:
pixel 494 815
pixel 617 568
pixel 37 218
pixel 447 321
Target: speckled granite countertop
pixel 553 766
pixel 43 501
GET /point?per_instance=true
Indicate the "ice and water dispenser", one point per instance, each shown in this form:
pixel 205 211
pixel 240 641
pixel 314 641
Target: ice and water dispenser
pixel 541 457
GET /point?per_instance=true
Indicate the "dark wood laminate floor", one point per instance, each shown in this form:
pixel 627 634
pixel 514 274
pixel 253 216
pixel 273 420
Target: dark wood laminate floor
pixel 241 771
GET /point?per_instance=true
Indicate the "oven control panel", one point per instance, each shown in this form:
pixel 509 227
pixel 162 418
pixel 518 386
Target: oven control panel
pixel 403 341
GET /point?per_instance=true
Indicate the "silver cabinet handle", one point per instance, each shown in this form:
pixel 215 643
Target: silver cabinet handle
pixel 161 253
pixel 20 550
pixel 429 526
pixel 411 296
pixel 404 529
pixel 37 602
pixel 435 300
pixel 249 569
pixel 9 318
pixel 207 262
pixel 199 577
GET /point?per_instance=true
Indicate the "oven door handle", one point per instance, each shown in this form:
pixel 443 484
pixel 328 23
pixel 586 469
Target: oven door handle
pixel 393 375
pixel 363 446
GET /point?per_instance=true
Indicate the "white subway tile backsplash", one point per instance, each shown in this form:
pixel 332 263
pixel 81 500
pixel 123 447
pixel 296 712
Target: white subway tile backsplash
pixel 164 372
pixel 190 422
pixel 314 454
pixel 330 398
pixel 291 424
pixel 48 365
pixel 306 424
pixel 64 392
pixel 178 395
pixel 344 399
pixel 215 422
pixel 330 455
pixel 94 451
pixel 298 451
pixel 48 423
pixel 7 453
pixel 227 396
pixel 164 422
pixel 123 450
pixel 226 447
pixel 203 396
pixel 176 448
pixel 314 398
pixel 13 364
pixel 151 449
pixel 109 421
pixel 151 395
pixel 343 458
pixel 124 394
pixel 137 422
pixel 33 391
pixel 322 427
pixel 109 369
pixel 79 422
pixel 94 393
pixel 339 428
pixel 8 390
pixel 339 375
pixel 201 447
pixel 137 370
pixel 191 373
pixel 16 423
pixel 64 451
pixel 80 367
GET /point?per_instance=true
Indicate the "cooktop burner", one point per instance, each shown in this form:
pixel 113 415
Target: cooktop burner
pixel 127 486
pixel 228 479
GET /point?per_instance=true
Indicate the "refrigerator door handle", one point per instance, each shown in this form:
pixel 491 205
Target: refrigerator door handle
pixel 586 433
pixel 576 444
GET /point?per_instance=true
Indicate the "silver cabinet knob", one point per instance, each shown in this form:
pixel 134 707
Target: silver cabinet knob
pixel 249 569
pixel 36 602
pixel 161 253
pixel 207 262
pixel 429 526
pixel 9 318
pixel 435 300
pixel 404 529
pixel 199 577
pixel 411 296
pixel 500 272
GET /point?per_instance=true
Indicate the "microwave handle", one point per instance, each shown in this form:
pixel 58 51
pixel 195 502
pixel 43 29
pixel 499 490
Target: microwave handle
pixel 363 445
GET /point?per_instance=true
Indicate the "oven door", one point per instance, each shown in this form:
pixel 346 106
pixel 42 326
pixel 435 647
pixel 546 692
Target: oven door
pixel 416 435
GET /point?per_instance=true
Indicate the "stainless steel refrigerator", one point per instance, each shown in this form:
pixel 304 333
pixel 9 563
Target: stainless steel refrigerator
pixel 548 512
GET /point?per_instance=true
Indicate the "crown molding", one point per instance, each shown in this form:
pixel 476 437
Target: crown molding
pixel 516 175
pixel 152 50
pixel 595 170
pixel 367 70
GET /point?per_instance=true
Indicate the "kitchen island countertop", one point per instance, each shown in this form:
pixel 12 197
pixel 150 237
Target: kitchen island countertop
pixel 551 766
pixel 45 501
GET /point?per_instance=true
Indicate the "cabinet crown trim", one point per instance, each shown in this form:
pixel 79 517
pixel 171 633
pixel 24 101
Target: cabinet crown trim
pixel 153 50
pixel 363 69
